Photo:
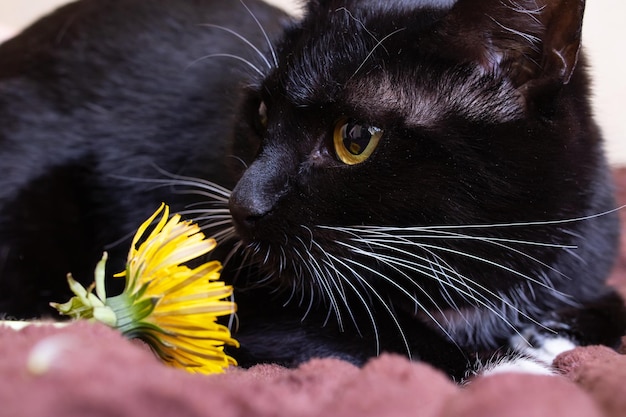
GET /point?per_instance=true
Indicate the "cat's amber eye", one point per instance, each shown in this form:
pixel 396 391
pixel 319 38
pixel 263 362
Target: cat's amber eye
pixel 355 142
pixel 263 114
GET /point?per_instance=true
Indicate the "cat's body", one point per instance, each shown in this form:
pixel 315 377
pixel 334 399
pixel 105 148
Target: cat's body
pixel 420 179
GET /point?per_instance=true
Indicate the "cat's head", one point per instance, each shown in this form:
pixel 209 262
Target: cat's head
pixel 382 119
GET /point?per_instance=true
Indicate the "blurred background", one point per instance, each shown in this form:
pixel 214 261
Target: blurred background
pixel 604 34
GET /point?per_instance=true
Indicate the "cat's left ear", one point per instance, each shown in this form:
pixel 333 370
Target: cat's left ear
pixel 531 41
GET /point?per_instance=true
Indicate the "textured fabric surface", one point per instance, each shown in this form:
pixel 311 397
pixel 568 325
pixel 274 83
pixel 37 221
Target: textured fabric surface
pixel 89 370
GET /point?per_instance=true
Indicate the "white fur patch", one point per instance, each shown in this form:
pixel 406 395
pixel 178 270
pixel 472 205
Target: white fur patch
pixel 518 365
pixel 546 348
pixel 530 359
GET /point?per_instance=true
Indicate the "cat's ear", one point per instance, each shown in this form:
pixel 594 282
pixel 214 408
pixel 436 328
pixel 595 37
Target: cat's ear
pixel 531 41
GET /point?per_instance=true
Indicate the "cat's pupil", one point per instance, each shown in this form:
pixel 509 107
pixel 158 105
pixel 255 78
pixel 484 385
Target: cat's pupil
pixel 355 142
pixel 356 137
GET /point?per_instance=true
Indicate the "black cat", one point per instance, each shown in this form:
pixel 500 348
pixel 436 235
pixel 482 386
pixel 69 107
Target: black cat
pixel 420 177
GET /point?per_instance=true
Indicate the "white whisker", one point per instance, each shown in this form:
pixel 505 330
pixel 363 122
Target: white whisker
pixel 405 240
pixel 463 280
pixel 351 265
pixel 331 270
pixel 267 38
pixel 250 44
pixel 531 13
pixel 378 44
pixel 532 223
pixel 409 295
pixel 324 283
pixel 382 303
pixel 360 23
pixel 387 244
pixel 471 293
pixel 225 55
pixel 533 40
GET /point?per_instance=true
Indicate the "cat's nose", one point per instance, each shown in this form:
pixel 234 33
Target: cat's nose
pixel 246 214
pixel 254 199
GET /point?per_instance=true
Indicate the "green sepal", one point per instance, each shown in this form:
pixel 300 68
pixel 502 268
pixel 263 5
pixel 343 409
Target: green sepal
pixel 105 315
pixel 85 304
pixel 130 311
pixel 99 277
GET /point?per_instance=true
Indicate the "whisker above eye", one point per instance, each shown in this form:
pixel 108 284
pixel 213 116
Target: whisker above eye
pixel 225 55
pixel 378 44
pixel 362 25
pixel 244 39
pixel 263 31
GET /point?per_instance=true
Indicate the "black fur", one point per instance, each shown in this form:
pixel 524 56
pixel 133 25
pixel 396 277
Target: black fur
pixel 483 210
pixel 96 92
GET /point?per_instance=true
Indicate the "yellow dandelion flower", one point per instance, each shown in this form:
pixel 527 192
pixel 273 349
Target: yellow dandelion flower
pixel 165 302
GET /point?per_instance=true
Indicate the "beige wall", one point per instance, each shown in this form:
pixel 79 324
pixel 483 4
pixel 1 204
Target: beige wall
pixel 604 35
